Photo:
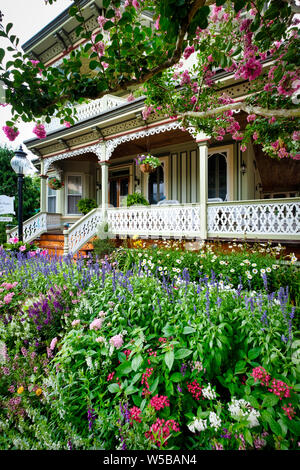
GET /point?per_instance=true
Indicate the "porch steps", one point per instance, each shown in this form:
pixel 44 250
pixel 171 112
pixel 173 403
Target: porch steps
pixel 53 242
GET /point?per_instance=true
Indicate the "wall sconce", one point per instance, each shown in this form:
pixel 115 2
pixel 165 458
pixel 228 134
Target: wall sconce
pixel 243 168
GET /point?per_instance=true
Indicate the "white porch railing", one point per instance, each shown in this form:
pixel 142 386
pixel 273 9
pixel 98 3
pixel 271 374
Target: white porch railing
pixel 88 110
pixel 36 225
pixel 82 231
pixel 261 219
pixel 273 218
pixel 173 220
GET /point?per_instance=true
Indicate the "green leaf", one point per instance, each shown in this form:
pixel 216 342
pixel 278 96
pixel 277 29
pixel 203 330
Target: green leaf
pixel 275 427
pixel 169 359
pixel 254 353
pixel 294 426
pixel 94 64
pixel 124 368
pixel 181 353
pixel 240 367
pixel 154 386
pixel 136 362
pixel 108 25
pixel 113 388
pixel 130 390
pixel 2 54
pixel 248 437
pixel 176 377
pixel 270 400
pixel 8 27
pixel 188 329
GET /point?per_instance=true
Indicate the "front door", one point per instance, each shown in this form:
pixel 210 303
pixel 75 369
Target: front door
pixel 118 190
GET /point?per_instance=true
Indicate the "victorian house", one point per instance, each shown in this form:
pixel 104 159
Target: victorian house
pixel 203 190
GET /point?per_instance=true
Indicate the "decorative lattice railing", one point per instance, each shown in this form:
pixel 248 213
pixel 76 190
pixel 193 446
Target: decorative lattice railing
pixel 82 231
pixel 173 220
pixel 36 225
pixel 88 110
pixel 276 218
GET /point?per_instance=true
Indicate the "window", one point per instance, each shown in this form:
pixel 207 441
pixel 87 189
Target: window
pixel 217 176
pixel 156 185
pixel 51 200
pixel 74 193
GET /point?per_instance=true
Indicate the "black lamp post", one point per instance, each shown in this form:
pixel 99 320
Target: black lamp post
pixel 21 165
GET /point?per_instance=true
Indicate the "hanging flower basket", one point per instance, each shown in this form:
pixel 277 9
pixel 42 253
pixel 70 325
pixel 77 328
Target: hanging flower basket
pixel 55 183
pixel 147 163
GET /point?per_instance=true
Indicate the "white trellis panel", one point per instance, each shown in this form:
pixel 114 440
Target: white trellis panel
pixel 36 225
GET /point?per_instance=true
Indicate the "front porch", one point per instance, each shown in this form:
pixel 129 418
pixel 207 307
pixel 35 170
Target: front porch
pixel 203 190
pixel 272 219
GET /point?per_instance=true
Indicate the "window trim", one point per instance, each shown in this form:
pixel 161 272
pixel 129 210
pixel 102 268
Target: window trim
pixel 67 175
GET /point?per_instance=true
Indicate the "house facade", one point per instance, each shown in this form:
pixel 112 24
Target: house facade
pixel 204 189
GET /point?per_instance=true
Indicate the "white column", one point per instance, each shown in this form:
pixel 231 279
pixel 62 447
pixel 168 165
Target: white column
pixel 203 189
pixel 43 195
pixel 104 186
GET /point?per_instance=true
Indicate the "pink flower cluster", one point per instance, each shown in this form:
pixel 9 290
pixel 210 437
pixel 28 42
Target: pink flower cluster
pixel 289 411
pixel 96 324
pixel 260 374
pixel 189 50
pixel 98 47
pixel 280 388
pixel 117 341
pixel 160 430
pixel 10 132
pixel 135 414
pixel 195 389
pixel 39 131
pixel 8 285
pixel 159 402
pixel 144 381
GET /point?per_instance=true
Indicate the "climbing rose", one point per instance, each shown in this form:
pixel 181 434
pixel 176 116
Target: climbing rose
pixel 10 132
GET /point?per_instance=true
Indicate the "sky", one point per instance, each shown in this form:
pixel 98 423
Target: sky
pixel 28 18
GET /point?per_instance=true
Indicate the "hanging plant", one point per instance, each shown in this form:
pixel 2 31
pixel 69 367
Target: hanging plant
pixel 147 163
pixel 55 183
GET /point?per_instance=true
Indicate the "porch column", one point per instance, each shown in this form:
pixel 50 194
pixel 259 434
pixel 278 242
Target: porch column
pixel 104 187
pixel 43 195
pixel 203 186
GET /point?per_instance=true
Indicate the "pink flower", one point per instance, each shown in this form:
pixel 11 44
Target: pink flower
pixel 67 124
pixel 296 135
pixel 22 248
pixel 53 344
pixel 13 240
pixel 185 78
pixel 251 117
pixel 11 132
pixel 159 402
pixel 135 4
pixel 75 322
pixel 251 70
pixel 243 148
pixel 104 65
pixel 210 58
pixel 135 414
pixel 130 98
pixel 156 24
pixel 101 21
pixel 96 324
pixel 117 341
pixel 255 136
pixel 189 50
pixel 40 131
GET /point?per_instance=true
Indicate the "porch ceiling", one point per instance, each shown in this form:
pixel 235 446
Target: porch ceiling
pixel 148 144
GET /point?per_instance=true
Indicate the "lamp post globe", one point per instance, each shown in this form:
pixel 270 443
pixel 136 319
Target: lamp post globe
pixel 20 164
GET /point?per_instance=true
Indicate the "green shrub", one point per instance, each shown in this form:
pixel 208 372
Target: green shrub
pixel 136 198
pixel 86 205
pixel 103 247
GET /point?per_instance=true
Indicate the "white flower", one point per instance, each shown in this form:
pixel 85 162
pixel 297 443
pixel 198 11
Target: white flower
pixel 197 425
pixel 252 418
pixel 253 265
pixel 249 276
pixel 232 270
pixel 254 271
pixel 268 270
pixel 214 420
pixel 241 264
pixel 209 393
